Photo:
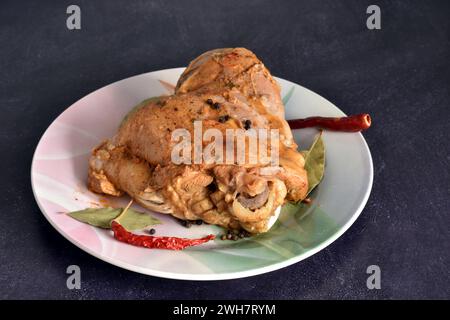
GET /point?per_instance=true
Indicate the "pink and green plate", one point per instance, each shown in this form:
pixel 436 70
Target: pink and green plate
pixel 59 172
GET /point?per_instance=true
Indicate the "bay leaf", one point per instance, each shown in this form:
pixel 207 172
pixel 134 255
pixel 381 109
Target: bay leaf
pixel 315 162
pixel 102 217
pixel 135 220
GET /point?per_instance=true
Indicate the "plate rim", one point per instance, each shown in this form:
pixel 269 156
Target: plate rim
pixel 209 276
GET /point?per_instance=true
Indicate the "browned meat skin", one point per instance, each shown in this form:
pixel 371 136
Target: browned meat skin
pixel 150 128
pixel 241 78
pixel 137 160
pixel 252 86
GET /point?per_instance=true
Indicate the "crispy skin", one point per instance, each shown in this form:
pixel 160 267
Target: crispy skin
pixel 138 159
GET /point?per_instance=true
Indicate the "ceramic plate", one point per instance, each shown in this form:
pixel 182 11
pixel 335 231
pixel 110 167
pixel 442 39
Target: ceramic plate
pixel 59 172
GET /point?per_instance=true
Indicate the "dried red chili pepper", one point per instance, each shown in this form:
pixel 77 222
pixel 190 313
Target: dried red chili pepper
pixel 170 243
pixel 353 123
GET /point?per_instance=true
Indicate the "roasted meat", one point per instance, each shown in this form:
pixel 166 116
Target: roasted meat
pixel 224 89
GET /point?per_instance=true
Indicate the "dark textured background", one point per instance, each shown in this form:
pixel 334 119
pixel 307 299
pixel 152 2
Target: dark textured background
pixel 400 75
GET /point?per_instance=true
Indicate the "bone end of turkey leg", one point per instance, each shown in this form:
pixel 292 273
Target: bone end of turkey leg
pixel 273 218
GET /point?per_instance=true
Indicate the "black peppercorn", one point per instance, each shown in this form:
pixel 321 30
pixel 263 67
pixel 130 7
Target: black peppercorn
pixel 216 106
pixel 212 187
pixel 210 102
pixel 247 124
pixel 223 119
pixel 152 231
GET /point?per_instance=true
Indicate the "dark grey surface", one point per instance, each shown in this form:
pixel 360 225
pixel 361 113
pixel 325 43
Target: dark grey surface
pixel 400 75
